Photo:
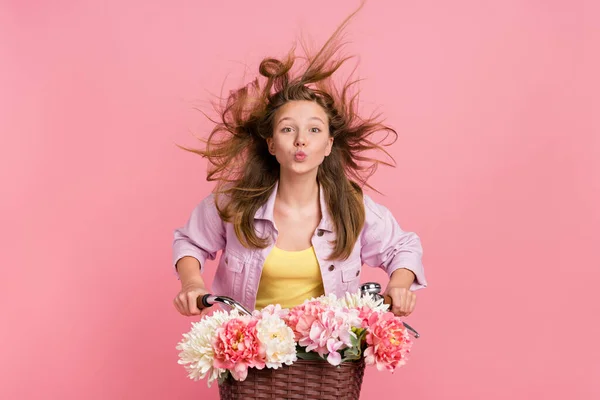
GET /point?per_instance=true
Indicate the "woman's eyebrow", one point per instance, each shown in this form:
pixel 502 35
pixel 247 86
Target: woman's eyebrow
pixel 291 119
pixel 283 119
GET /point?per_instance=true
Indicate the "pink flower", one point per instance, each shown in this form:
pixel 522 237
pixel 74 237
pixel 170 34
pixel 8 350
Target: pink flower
pixel 388 342
pixel 323 329
pixel 301 317
pixel 364 313
pixel 271 309
pixel 237 348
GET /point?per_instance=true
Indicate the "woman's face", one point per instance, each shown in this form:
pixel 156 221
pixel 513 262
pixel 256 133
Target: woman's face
pixel 301 139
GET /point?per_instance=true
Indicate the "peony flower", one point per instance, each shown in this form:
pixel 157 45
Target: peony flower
pixel 277 339
pixel 323 328
pixel 365 314
pixel 304 314
pixel 196 347
pixel 237 347
pixel 271 310
pixel 364 303
pixel 388 342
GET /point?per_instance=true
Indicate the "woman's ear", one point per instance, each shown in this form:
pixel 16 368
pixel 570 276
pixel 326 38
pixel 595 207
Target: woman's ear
pixel 329 146
pixel 271 145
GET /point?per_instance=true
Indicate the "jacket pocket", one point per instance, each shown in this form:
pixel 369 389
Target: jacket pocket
pixel 350 275
pixel 233 261
pixel 234 265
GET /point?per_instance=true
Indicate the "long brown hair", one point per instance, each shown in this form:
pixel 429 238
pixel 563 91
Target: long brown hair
pixel 246 172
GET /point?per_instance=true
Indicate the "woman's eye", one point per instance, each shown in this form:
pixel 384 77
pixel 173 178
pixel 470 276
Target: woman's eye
pixel 286 129
pixel 315 130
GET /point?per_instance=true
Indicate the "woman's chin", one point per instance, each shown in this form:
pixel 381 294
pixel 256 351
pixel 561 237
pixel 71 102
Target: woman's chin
pixel 299 169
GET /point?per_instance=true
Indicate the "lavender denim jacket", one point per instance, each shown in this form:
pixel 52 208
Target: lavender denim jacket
pixel 382 243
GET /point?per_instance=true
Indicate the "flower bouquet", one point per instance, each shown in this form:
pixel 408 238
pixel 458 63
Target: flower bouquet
pixel 354 329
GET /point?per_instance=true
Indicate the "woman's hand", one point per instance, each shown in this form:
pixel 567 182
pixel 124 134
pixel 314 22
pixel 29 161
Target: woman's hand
pixel 403 300
pixel 186 300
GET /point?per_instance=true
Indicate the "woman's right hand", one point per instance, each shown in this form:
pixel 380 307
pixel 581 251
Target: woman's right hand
pixel 186 300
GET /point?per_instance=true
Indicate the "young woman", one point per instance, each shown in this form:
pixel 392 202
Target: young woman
pixel 288 210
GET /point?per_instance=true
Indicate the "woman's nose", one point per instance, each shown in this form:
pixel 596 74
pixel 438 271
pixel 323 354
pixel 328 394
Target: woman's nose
pixel 300 141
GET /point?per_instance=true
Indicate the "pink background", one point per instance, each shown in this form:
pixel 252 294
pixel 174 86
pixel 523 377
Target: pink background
pixel 498 171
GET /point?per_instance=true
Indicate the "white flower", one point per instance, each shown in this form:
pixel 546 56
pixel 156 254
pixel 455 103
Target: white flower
pixel 196 349
pixel 277 339
pixel 329 300
pixel 352 300
pixel 357 300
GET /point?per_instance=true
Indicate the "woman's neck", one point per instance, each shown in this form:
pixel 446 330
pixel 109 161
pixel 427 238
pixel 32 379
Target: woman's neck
pixel 299 192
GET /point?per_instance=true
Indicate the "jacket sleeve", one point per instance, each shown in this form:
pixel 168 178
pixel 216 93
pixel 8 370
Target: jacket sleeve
pixel 385 245
pixel 202 236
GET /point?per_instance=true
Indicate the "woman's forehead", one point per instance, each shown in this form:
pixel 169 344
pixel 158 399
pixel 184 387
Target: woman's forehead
pixel 301 110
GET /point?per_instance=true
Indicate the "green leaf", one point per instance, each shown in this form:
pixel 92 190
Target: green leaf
pixel 362 335
pixel 223 377
pixel 309 356
pixel 355 352
pixel 351 358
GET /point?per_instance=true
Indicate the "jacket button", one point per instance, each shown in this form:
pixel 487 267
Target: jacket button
pixel 331 267
pixel 357 273
pixel 320 232
pixel 226 260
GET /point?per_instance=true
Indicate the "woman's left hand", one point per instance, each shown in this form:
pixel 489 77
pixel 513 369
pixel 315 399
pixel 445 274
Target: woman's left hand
pixel 403 301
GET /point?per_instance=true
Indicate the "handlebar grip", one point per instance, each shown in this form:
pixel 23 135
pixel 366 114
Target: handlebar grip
pixel 202 301
pixel 387 300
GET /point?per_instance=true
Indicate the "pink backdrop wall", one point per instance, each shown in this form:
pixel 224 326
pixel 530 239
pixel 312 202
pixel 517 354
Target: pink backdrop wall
pixel 498 171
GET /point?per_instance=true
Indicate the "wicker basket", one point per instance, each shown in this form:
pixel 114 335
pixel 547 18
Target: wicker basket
pixel 304 380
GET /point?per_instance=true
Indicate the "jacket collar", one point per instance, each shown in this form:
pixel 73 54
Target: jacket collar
pixel 265 212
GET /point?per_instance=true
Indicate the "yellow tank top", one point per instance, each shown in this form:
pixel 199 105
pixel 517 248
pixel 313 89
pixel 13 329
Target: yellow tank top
pixel 288 278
